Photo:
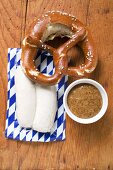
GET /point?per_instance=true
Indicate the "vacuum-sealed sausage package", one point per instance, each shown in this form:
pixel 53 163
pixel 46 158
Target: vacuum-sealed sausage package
pixel 34 112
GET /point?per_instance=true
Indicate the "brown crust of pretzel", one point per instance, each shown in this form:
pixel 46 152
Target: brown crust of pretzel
pixel 34 40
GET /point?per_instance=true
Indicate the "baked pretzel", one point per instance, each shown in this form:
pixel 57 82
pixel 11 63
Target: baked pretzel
pixel 51 25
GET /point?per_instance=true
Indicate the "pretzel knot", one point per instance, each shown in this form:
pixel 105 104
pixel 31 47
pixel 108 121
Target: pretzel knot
pixel 51 25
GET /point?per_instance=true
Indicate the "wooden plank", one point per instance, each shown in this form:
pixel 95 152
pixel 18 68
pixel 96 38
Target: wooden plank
pixel 86 146
pixel 101 136
pixel 12 16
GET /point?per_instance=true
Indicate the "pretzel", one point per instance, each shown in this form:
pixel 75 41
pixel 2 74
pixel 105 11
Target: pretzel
pixel 51 25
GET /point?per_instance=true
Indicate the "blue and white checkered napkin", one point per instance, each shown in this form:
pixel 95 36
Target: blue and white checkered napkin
pixel 13 130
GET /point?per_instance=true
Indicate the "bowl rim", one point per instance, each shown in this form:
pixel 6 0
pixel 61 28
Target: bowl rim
pixel 104 101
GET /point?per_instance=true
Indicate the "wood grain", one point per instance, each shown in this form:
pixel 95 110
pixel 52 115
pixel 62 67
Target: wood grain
pixel 87 147
pixel 12 24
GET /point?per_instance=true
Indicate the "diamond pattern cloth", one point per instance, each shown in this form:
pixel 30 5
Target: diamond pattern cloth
pixel 13 130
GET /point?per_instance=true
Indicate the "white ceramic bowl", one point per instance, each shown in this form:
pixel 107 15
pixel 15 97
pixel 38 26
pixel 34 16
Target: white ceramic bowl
pixel 104 101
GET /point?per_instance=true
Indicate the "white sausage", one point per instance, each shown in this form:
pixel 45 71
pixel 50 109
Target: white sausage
pixel 25 99
pixel 36 105
pixel 46 108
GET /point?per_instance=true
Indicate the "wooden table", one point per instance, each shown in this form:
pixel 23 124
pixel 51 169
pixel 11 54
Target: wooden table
pixel 86 146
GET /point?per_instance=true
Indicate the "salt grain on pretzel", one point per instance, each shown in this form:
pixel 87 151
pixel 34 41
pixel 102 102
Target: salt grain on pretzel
pixel 55 24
